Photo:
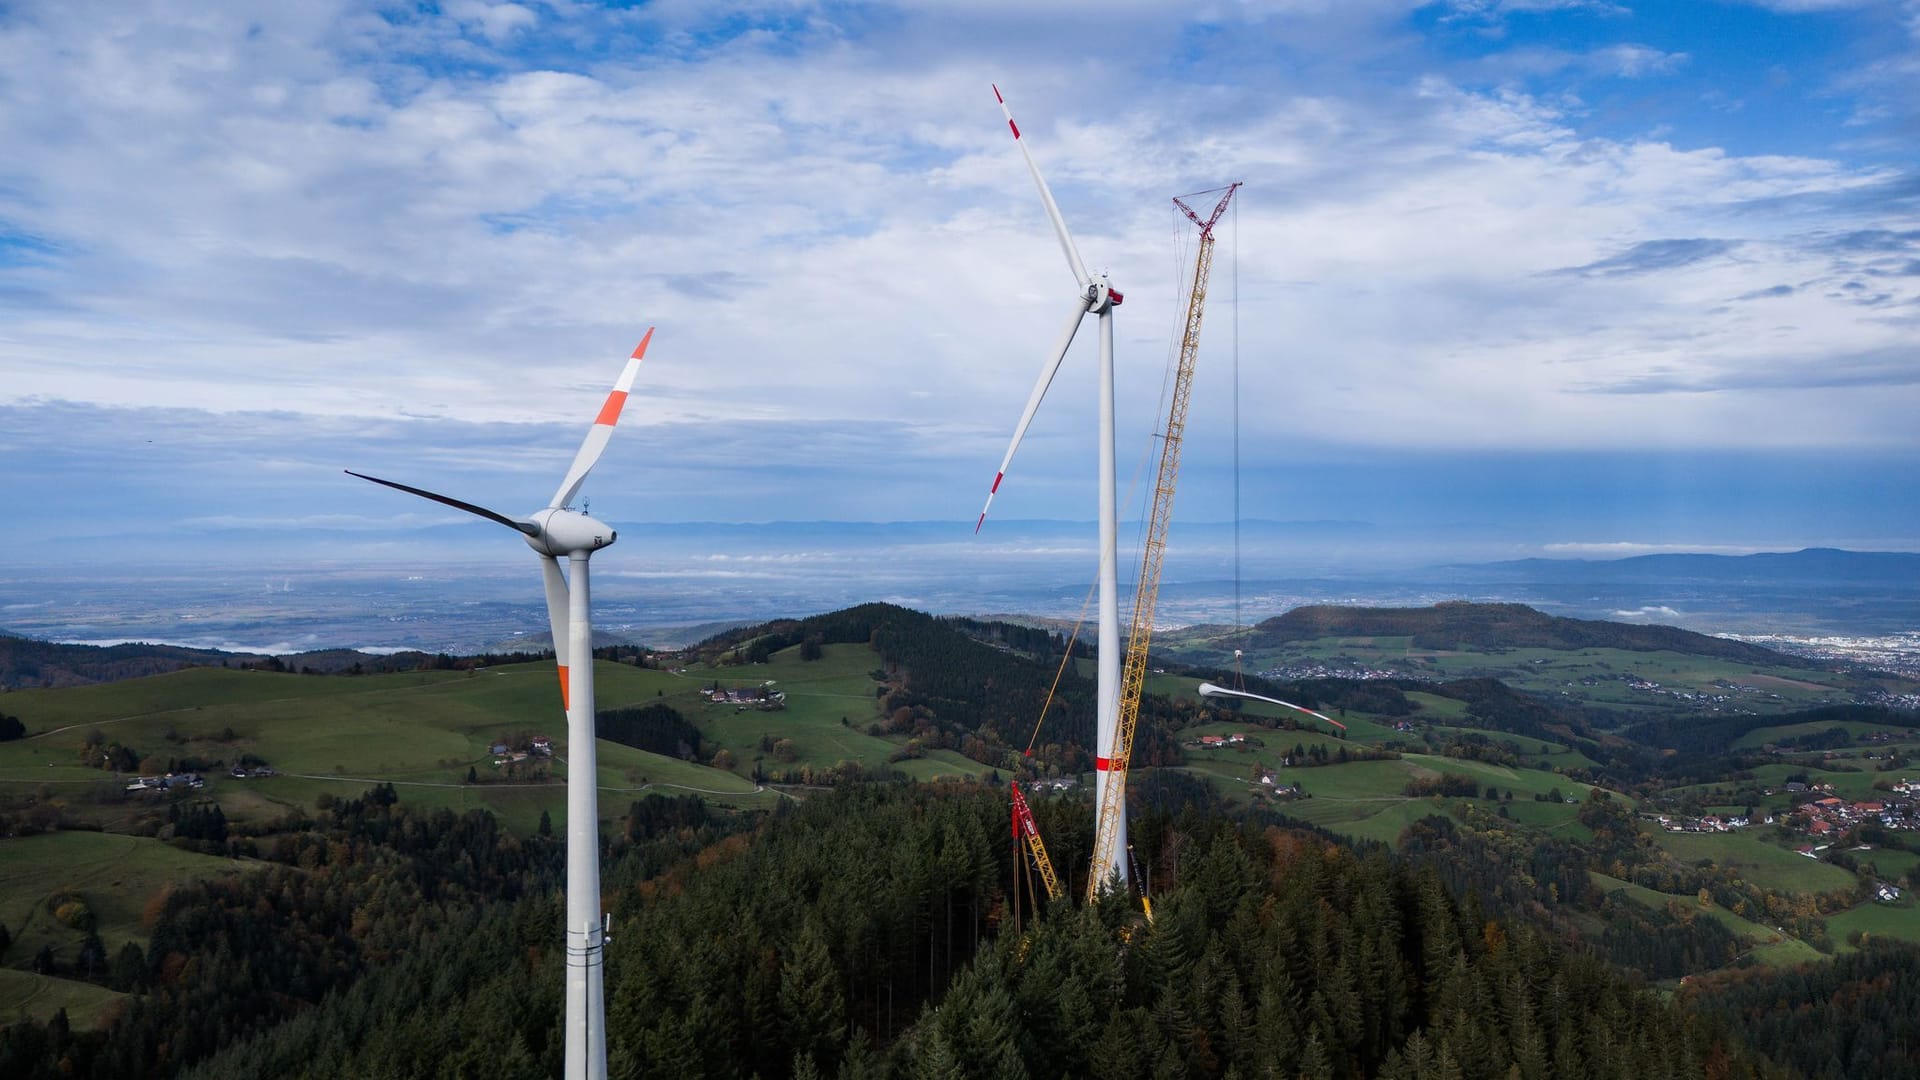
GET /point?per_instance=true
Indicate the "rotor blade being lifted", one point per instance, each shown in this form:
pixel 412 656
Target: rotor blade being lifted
pixel 1208 689
pixel 557 619
pixel 527 527
pixel 602 429
pixel 1047 373
pixel 1046 196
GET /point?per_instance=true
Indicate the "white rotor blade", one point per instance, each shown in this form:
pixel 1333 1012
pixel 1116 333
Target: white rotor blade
pixel 602 429
pixel 1208 689
pixel 1047 372
pixel 1046 196
pixel 557 618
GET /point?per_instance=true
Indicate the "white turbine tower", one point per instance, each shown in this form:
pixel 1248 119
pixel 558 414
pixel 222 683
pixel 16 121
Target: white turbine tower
pixel 557 531
pixel 1095 295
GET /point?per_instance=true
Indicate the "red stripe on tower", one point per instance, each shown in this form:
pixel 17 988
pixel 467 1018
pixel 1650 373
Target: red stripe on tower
pixel 1103 764
pixel 610 412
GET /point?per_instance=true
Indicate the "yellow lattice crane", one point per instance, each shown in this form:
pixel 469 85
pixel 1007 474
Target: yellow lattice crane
pixel 1133 675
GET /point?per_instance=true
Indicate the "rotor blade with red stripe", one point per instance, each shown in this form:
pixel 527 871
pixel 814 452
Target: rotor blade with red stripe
pixel 1046 196
pixel 1208 689
pixel 1047 372
pixel 557 619
pixel 602 429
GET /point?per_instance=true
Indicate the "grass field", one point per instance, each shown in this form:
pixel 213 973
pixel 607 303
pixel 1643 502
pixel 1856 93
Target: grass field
pixel 1900 921
pixel 27 996
pixel 114 875
pixel 1366 800
pixel 1759 737
pixel 1766 864
pixel 1438 709
pixel 1890 864
pixel 1596 676
pixel 1768 945
pixel 337 735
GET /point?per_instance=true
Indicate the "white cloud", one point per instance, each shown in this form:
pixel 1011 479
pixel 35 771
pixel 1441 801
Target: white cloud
pixel 1623 549
pixel 324 210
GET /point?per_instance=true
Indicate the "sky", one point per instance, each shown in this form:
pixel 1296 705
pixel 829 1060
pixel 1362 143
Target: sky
pixel 1557 276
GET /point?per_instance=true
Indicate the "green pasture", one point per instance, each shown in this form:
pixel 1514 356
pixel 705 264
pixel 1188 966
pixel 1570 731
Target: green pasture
pixel 1559 754
pixel 941 765
pixel 1361 728
pixel 1890 863
pixel 1847 785
pixel 27 996
pixel 1382 819
pixel 1228 781
pixel 1769 946
pixel 1438 709
pixel 1766 864
pixel 1365 800
pixel 1595 675
pixel 421 731
pixel 1900 920
pixel 114 875
pixel 830 704
pixel 1759 737
pixel 1562 818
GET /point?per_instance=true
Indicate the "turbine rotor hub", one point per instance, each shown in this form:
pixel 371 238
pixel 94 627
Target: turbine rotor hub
pixel 1101 295
pixel 563 532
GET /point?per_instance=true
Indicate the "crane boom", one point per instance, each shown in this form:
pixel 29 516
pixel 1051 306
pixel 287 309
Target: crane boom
pixel 1028 833
pixel 1133 675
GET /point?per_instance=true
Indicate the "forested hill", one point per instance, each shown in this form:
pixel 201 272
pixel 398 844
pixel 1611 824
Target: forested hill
pixel 1460 624
pixel 964 677
pixel 865 935
pixel 26 663
pixel 1809 565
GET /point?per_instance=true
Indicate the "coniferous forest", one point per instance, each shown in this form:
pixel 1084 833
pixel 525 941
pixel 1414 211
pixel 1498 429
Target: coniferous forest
pixel 870 928
pixel 862 934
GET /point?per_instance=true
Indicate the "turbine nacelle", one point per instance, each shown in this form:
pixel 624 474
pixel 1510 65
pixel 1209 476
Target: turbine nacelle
pixel 564 532
pixel 1101 295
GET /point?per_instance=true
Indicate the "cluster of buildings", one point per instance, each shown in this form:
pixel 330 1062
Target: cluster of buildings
pixel 1710 822
pixel 759 697
pixel 1317 670
pixel 508 754
pixel 1831 815
pixel 169 782
pixel 1210 742
pixel 1265 780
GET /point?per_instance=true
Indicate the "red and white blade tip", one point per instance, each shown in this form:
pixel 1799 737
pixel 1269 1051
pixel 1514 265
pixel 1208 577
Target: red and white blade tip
pixel 640 350
pixel 991 492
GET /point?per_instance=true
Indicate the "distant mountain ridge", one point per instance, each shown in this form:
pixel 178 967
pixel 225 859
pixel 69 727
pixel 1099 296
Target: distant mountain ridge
pixel 1804 566
pixel 28 663
pixel 1461 624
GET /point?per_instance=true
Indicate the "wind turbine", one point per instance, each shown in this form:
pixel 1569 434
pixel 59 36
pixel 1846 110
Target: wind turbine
pixel 1094 295
pixel 555 532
